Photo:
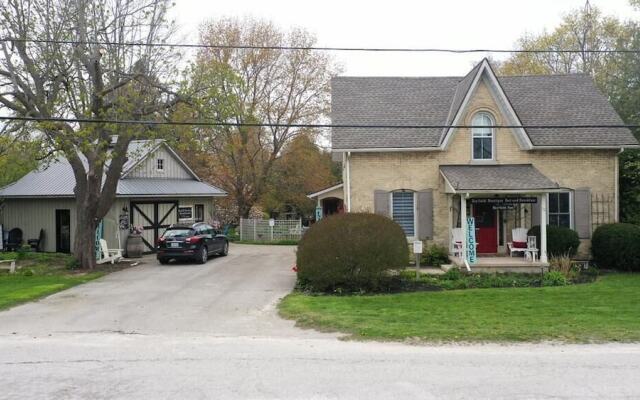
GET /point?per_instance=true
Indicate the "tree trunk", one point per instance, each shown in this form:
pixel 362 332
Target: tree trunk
pixel 85 237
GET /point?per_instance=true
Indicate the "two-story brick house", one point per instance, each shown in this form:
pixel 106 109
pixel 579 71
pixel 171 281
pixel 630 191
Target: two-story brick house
pixel 495 148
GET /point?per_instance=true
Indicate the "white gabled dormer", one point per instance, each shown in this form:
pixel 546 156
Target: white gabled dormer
pixel 484 74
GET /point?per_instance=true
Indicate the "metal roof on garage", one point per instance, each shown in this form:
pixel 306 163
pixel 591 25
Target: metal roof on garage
pixel 56 179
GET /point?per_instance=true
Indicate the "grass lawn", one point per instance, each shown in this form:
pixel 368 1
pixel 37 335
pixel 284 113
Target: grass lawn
pixel 41 274
pixel 606 310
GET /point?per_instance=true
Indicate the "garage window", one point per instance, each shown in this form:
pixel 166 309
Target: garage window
pixel 199 212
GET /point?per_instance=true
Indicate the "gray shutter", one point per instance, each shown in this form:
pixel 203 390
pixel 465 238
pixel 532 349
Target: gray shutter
pixel 582 212
pixel 425 214
pixel 381 202
pixel 535 213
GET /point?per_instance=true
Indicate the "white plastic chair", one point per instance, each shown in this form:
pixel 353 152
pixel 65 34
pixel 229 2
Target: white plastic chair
pixel 532 249
pixel 517 235
pixel 109 255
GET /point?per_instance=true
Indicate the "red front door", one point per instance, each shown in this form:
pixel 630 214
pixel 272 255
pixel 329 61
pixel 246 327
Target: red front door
pixel 486 228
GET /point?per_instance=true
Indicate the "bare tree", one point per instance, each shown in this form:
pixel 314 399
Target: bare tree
pixel 66 73
pixel 271 86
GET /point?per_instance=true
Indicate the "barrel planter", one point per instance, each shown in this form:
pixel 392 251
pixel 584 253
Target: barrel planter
pixel 135 246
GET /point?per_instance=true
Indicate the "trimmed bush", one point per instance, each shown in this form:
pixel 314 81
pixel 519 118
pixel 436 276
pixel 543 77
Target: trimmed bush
pixel 561 241
pixel 351 252
pixel 617 246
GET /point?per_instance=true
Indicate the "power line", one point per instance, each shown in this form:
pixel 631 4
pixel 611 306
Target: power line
pixel 277 125
pixel 319 48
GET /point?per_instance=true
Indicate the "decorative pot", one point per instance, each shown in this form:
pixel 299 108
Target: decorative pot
pixel 135 246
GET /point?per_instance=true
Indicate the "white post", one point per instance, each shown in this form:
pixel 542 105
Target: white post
pixel 254 229
pixel 543 228
pixel 463 222
pixel 241 226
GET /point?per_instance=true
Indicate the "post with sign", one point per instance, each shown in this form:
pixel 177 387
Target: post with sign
pixel 272 223
pixel 417 251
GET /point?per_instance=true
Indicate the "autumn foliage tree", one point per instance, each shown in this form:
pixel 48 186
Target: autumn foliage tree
pixel 303 168
pixel 243 86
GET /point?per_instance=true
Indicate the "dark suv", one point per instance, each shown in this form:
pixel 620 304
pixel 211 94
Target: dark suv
pixel 195 242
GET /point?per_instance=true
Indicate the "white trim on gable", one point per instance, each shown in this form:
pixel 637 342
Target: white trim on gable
pixel 151 152
pixel 501 99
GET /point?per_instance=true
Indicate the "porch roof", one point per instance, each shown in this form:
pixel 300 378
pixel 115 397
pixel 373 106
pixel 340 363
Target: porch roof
pixel 496 178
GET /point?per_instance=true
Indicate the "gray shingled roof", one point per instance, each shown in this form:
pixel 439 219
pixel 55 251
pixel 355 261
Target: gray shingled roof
pixel 496 177
pixel 57 180
pixel 537 100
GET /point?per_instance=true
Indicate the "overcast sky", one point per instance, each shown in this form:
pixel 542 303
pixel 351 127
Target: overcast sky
pixel 400 23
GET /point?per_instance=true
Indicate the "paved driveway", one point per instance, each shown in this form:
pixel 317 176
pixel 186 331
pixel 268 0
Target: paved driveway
pixel 228 296
pixel 211 331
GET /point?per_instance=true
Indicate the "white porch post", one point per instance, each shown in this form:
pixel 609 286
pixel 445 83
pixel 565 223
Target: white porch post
pixel 463 224
pixel 543 228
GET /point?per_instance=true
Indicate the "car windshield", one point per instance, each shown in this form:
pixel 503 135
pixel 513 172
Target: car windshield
pixel 178 233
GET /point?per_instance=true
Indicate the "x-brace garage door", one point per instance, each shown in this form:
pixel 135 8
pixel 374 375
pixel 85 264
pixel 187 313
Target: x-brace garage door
pixel 155 217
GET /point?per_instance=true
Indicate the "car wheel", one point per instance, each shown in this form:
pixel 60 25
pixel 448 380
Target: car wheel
pixel 163 261
pixel 225 249
pixel 203 256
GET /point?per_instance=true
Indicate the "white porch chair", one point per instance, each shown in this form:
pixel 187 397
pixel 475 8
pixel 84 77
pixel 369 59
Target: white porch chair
pixel 518 235
pixel 109 255
pixel 532 249
pixel 456 241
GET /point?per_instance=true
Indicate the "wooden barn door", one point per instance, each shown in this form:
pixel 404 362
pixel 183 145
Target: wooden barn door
pixel 155 217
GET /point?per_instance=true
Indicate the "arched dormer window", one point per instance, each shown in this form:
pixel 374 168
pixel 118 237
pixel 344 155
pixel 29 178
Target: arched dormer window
pixel 482 136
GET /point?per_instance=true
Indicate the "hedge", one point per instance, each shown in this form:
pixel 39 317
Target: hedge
pixel 560 240
pixel 617 246
pixel 350 252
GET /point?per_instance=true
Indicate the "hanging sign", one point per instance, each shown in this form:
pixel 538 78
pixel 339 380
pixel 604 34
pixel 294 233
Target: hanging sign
pixel 185 213
pixel 471 240
pixel 503 200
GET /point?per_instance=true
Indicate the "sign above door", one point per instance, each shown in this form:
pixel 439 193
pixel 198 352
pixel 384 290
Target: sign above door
pixel 500 201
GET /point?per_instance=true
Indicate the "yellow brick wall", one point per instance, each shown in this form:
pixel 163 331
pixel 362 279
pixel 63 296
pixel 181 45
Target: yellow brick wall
pixel 420 170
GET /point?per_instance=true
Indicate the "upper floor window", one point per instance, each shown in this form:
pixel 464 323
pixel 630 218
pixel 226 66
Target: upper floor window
pixel 560 209
pixel 403 210
pixel 482 136
pixel 160 164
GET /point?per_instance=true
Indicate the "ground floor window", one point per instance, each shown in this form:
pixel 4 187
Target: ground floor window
pixel 403 211
pixel 560 209
pixel 199 212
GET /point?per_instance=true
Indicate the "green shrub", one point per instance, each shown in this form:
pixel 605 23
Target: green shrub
pixel 561 241
pixel 617 246
pixel 554 278
pixel 350 252
pixel 72 263
pixel 435 255
pixel 453 274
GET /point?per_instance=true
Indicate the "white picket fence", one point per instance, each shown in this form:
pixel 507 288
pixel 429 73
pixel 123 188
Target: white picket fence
pixel 264 230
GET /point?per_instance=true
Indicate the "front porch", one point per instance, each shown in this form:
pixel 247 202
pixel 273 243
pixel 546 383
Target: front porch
pixel 491 209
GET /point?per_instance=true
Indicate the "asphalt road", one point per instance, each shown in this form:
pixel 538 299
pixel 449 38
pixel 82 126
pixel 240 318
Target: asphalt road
pixel 201 332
